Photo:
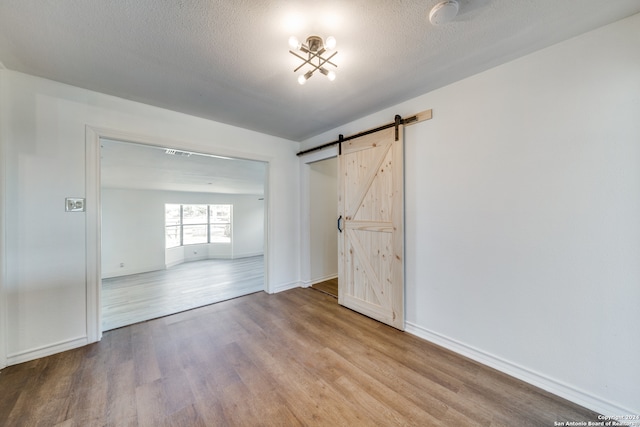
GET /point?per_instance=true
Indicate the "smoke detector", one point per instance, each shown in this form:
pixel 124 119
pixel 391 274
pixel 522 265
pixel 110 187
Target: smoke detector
pixel 443 12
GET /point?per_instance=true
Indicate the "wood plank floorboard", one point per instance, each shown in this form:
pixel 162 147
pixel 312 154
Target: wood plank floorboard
pixel 328 287
pixel 139 297
pixel 293 358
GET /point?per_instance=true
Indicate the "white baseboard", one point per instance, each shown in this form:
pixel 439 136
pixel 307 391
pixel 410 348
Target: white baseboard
pixel 223 256
pixel 311 282
pixel 285 287
pixel 129 272
pixel 247 255
pixel 544 382
pixel 219 256
pixel 173 264
pixel 322 279
pixel 48 350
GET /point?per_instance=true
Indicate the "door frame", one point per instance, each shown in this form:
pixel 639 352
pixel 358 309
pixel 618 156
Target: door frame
pixel 93 208
pixel 3 257
pixel 305 210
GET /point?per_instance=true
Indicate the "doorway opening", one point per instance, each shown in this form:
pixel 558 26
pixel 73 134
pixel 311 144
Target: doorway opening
pixel 322 183
pixel 179 230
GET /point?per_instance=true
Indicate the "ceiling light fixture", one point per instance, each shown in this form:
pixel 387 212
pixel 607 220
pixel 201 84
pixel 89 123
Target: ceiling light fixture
pixel 443 12
pixel 174 152
pixel 314 48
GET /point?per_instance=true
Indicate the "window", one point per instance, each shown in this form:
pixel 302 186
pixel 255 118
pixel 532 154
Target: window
pixel 220 223
pixel 173 221
pixel 196 224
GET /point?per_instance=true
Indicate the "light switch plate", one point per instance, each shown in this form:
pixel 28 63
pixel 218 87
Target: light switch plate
pixel 73 204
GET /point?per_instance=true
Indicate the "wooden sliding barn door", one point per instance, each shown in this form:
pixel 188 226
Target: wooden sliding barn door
pixel 371 240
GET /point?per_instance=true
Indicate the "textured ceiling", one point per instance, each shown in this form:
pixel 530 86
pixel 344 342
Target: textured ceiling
pixel 144 167
pixel 228 60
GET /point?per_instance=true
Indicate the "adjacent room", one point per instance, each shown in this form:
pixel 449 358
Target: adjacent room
pixel 319 213
pixel 179 230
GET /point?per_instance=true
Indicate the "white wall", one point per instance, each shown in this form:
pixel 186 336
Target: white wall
pixel 133 230
pixel 248 226
pixel 44 126
pixel 323 193
pixel 522 217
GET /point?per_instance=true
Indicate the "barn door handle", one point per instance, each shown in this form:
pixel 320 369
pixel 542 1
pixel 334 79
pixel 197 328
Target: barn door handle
pixel 339 222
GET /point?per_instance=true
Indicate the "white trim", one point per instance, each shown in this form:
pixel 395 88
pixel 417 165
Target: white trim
pixel 92 172
pixel 544 382
pixel 246 255
pixel 3 246
pixel 285 287
pixel 166 266
pixel 319 280
pixel 305 223
pixel 316 156
pixel 267 225
pixel 47 350
pixel 118 273
pixel 184 144
pixel 93 236
pixel 178 262
pixel 305 210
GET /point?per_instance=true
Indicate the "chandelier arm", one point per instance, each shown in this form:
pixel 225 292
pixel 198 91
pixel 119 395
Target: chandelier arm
pixel 315 68
pixel 326 61
pixel 321 61
pixel 296 55
pixel 306 60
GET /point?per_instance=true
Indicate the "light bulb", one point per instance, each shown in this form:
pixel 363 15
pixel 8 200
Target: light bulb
pixel 306 76
pixel 331 76
pixel 330 43
pixel 294 43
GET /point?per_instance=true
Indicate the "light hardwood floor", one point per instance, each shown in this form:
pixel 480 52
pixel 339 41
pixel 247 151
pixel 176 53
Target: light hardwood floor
pixel 289 359
pixel 138 297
